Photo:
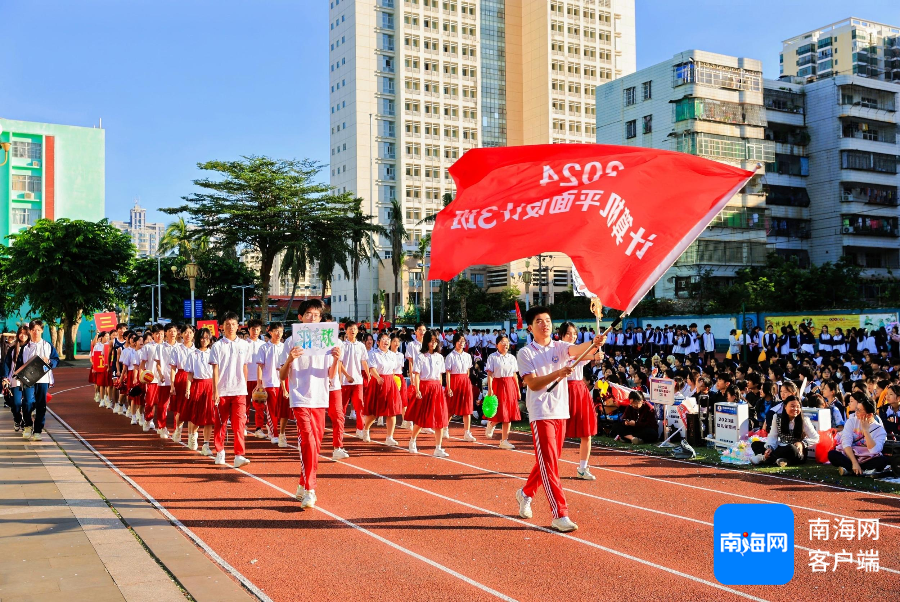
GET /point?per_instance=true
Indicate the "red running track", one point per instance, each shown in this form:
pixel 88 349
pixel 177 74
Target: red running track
pixel 394 525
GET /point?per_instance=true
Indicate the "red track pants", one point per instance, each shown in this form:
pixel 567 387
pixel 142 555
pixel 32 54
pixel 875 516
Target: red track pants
pixel 273 407
pixel 548 442
pixel 163 395
pixel 310 430
pixel 353 393
pixel 259 409
pixel 235 408
pixel 338 418
pixel 150 401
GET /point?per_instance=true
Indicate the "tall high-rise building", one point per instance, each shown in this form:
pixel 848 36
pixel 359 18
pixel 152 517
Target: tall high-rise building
pixel 417 83
pixel 145 235
pixel 849 47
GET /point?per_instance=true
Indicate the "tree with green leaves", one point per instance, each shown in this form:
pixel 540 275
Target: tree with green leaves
pixel 446 199
pixel 178 237
pixel 397 234
pixel 361 233
pixel 262 204
pixel 65 268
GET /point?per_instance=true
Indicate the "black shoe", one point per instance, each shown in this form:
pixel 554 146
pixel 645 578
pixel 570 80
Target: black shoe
pixel 18 427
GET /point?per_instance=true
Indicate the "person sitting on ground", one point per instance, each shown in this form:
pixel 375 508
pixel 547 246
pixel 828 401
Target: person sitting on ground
pixel 789 438
pixel 859 447
pixel 890 411
pixel 638 423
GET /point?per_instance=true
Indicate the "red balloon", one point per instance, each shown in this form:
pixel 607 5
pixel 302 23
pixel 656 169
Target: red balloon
pixel 825 445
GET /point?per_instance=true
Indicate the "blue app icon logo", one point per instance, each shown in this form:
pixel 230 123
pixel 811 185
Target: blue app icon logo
pixel 754 544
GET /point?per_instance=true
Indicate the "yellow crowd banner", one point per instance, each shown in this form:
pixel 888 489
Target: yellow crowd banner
pixel 870 322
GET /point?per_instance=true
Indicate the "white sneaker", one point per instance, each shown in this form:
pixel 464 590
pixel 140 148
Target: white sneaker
pixel 446 433
pixel 412 447
pixel 352 414
pixel 489 430
pixel 176 436
pixel 220 458
pixel 116 409
pixel 359 434
pixel 192 442
pixel 259 434
pixel 366 436
pixel 123 410
pixel 390 441
pixel 205 451
pixel 97 397
pixel 440 453
pixel 282 440
pixel 564 524
pixel 149 426
pixel 26 434
pixel 240 461
pixel 339 454
pixel 36 437
pixel 468 436
pixel 127 412
pixel 484 422
pixel 163 433
pixel 309 499
pixel 505 444
pixel 274 440
pixel 301 491
pixel 585 474
pixel 524 504
pixel 406 424
pixel 757 459
pixel 380 421
pixel 135 419
pixel 428 431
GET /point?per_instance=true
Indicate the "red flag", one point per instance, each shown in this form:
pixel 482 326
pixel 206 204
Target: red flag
pixel 622 214
pixel 380 321
pixel 518 316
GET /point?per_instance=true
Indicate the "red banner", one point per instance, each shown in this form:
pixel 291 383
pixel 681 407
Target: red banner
pixel 622 214
pixel 518 317
pixel 100 359
pixel 210 325
pixel 105 321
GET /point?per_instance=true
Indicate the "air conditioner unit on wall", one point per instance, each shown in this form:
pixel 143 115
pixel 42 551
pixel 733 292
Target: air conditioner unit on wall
pixel 28 196
pixel 847 230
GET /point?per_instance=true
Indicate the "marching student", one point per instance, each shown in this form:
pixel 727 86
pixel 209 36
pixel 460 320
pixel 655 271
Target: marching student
pixel 117 345
pixel 336 413
pixel 268 361
pixel 130 361
pixel 229 358
pixel 503 382
pixel 399 361
pixel 459 389
pixel 354 366
pixel 179 362
pixel 165 356
pixel 368 384
pixel 306 377
pixel 428 410
pixel 101 376
pixel 254 328
pixel 36 396
pixel 200 407
pixel 582 422
pixel 541 363
pixel 149 363
pixel 11 363
pixel 413 349
pixel 96 347
pixel 386 401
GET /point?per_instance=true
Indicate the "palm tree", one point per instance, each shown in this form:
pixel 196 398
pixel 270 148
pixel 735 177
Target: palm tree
pixel 293 263
pixel 397 234
pixel 178 236
pixel 331 251
pixel 361 232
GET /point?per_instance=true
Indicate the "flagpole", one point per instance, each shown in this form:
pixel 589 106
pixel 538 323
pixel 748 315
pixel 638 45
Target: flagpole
pixel 615 323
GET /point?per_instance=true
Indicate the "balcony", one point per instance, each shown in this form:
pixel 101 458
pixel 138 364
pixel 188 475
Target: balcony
pixel 854 192
pixel 714 252
pixel 865 161
pixel 749 219
pixel 866 225
pixel 867 257
pixel 871 131
pixel 727 148
pixel 789 165
pixel 790 228
pixel 784 101
pixel 787 196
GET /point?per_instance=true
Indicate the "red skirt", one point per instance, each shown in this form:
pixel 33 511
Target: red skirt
pixel 369 388
pixel 179 399
pixel 507 393
pixel 92 376
pixel 386 399
pixel 404 392
pixel 200 408
pixel 102 378
pixel 460 404
pixel 582 420
pixel 431 411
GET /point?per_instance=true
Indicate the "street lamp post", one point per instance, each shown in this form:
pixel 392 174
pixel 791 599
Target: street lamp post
pixel 243 288
pixel 152 288
pixel 191 272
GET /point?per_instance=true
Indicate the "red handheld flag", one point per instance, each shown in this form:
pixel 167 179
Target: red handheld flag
pixel 518 316
pixel 105 321
pixel 622 214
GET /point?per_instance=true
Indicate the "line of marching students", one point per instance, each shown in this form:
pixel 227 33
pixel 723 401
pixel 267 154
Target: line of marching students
pixel 205 385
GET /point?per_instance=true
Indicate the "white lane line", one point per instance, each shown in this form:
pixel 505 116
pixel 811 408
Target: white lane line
pixel 246 582
pixel 676 483
pixel 197 541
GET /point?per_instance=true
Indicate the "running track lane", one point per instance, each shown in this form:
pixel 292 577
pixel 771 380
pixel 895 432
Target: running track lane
pixel 453 532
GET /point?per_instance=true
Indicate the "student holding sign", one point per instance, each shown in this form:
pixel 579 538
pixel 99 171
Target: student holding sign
pixel 229 358
pixel 307 366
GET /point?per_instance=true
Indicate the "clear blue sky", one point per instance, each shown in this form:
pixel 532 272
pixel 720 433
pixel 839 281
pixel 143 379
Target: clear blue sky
pixel 181 82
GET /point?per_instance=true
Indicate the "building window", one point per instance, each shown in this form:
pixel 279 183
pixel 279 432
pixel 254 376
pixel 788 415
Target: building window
pixel 25 217
pixel 23 183
pixel 646 90
pixel 26 150
pixel 648 124
pixel 629 96
pixel 631 128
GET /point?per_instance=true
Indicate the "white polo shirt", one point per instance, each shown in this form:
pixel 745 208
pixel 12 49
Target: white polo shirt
pixel 148 356
pixel 501 366
pixel 353 355
pixel 541 361
pixel 413 350
pixel 231 357
pixel 198 365
pixel 165 355
pixel 383 362
pixel 429 366
pixel 308 380
pixel 255 346
pixel 269 357
pixel 458 363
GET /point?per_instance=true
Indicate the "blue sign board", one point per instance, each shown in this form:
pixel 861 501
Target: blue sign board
pixel 754 544
pixel 198 308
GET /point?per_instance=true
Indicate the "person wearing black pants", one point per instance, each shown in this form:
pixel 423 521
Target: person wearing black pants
pixel 789 438
pixel 12 362
pixel 36 396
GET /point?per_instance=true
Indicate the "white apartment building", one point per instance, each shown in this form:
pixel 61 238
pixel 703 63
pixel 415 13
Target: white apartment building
pixel 414 84
pixel 709 105
pixel 145 235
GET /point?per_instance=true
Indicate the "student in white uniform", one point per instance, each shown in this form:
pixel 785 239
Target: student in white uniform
pixel 503 382
pixel 268 363
pixel 165 354
pixel 229 358
pixel 254 328
pixel 354 365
